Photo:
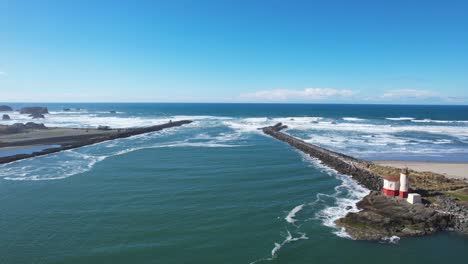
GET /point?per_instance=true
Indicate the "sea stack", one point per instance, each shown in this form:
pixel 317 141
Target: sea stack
pixel 5 108
pixel 34 110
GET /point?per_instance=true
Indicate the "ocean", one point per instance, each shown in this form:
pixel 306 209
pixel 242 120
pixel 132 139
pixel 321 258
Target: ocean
pixel 217 190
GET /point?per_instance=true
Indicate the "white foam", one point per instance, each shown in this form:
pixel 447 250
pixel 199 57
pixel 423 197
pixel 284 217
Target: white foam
pixel 438 121
pixel 400 118
pixel 391 240
pixel 353 119
pixel 290 217
pixel 345 197
pixel 289 238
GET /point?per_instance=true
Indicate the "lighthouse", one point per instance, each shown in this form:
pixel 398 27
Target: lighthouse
pixel 404 184
pixel 391 185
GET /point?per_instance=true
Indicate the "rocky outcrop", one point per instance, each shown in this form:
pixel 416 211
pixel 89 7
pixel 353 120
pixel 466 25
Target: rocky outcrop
pixel 21 128
pixel 15 128
pixel 34 110
pixel 112 112
pixel 341 163
pixel 383 216
pixel 32 125
pixel 5 108
pixel 446 204
pixel 37 116
pixel 6 117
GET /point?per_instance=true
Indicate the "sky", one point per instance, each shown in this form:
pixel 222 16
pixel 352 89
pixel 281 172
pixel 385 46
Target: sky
pixel 395 51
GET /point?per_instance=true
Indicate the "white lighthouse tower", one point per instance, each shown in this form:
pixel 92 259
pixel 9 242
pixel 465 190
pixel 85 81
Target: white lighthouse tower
pixel 404 183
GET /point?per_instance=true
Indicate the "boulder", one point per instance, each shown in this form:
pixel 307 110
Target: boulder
pixel 112 112
pixel 15 128
pixel 34 110
pixel 5 108
pixel 6 117
pixel 32 125
pixel 37 115
pixel 66 109
pixel 104 127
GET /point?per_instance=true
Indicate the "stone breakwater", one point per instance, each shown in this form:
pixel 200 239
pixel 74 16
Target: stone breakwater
pixel 75 141
pixel 337 161
pixel 380 216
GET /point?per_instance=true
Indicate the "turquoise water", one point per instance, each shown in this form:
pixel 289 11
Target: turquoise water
pixel 217 191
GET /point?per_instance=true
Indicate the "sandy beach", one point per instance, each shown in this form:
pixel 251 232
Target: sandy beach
pixel 451 170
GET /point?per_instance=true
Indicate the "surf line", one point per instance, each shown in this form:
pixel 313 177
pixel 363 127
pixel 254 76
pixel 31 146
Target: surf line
pixel 72 142
pixel 341 163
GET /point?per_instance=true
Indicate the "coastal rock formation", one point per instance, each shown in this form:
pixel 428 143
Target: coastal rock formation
pixel 15 128
pixel 341 163
pixel 6 117
pixel 383 216
pixel 5 108
pixel 34 110
pixel 457 209
pixel 112 112
pixel 32 125
pixel 20 127
pixel 36 115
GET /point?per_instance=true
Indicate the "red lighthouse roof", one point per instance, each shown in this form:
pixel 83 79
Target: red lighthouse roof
pixel 393 178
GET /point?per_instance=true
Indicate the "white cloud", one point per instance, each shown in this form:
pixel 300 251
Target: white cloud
pixel 411 94
pixel 307 94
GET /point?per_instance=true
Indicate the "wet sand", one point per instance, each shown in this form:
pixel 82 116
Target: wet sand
pixel 448 169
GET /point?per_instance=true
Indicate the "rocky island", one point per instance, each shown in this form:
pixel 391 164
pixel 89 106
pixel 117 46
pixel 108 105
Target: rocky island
pixel 444 207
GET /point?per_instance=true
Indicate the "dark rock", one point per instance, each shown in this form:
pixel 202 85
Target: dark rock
pixel 5 108
pixel 112 112
pixel 36 115
pixel 383 216
pixel 32 125
pixel 279 127
pixel 34 110
pixel 15 128
pixel 104 128
pixel 66 109
pixel 349 207
pixel 6 117
pixel 458 210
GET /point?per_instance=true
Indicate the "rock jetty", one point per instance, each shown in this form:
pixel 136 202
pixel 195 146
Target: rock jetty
pixel 383 216
pixel 340 162
pixel 78 137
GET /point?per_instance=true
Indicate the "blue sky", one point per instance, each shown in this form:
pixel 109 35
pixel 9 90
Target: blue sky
pixel 234 51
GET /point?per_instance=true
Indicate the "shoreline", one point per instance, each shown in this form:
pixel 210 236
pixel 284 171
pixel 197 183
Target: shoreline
pixel 69 138
pixel 456 170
